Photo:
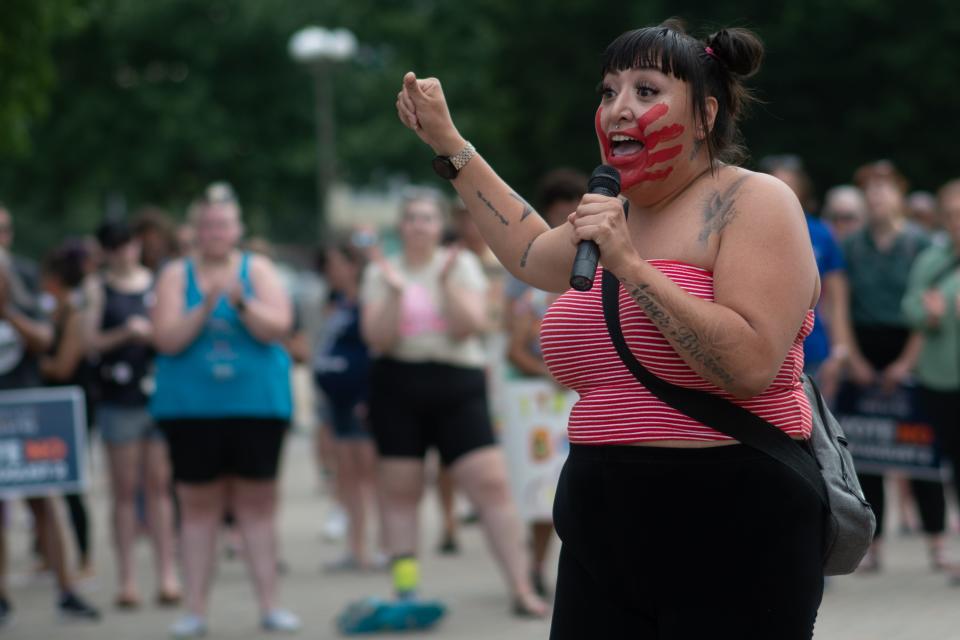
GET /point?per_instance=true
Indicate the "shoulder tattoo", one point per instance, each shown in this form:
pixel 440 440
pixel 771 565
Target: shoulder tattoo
pixel 720 209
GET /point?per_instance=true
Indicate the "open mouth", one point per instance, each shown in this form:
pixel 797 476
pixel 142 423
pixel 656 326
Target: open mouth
pixel 622 145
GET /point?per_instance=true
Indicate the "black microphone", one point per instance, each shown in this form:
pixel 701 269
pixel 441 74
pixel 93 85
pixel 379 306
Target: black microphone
pixel 604 180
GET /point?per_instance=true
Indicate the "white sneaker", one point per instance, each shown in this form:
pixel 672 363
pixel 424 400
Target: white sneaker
pixel 380 561
pixel 189 626
pixel 280 620
pixel 344 564
pixel 335 526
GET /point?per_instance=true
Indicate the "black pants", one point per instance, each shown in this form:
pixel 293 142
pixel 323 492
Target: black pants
pixel 928 495
pixel 80 523
pixel 882 345
pixel 943 410
pixel 685 544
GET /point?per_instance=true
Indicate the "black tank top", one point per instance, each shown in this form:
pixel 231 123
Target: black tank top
pixel 84 375
pixel 123 370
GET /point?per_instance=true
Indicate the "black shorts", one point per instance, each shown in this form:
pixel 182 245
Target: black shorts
pixel 415 406
pixel 204 450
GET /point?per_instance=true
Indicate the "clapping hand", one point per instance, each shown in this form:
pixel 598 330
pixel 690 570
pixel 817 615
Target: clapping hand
pixel 235 292
pixel 390 275
pixel 451 260
pixel 140 328
pixel 217 288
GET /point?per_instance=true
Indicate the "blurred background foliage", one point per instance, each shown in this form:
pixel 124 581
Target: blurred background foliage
pixel 106 105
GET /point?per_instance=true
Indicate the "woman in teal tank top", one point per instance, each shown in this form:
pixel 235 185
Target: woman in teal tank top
pixel 223 400
pixel 239 374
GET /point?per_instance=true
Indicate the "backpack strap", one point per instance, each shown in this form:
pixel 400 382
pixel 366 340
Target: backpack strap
pixel 710 409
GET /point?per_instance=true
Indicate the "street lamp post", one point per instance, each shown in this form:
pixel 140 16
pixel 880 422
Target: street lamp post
pixel 318 49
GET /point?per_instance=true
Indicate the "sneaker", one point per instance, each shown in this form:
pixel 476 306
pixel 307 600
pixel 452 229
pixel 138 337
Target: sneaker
pixel 73 607
pixel 189 626
pixel 470 517
pixel 534 608
pixel 335 526
pixel 344 564
pixel 6 612
pixel 374 614
pixel 280 620
pixel 380 562
pixel 448 546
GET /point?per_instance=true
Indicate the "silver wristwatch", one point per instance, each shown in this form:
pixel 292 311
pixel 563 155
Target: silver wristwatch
pixel 449 166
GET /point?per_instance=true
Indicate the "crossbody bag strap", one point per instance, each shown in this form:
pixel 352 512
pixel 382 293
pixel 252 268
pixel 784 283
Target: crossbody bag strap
pixel 709 409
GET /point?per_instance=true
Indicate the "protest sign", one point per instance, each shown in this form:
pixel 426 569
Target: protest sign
pixel 888 431
pixel 42 441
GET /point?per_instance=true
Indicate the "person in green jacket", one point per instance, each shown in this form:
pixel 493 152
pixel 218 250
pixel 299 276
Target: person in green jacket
pixel 932 306
pixel 878 260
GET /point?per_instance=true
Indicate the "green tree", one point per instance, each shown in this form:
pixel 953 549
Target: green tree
pixel 155 99
pixel 27 31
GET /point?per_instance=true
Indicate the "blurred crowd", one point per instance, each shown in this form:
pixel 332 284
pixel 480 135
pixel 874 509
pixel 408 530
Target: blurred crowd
pixel 183 338
pixel 888 317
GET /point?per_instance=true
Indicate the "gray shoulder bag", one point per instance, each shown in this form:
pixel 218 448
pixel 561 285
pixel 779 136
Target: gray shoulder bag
pixel 824 463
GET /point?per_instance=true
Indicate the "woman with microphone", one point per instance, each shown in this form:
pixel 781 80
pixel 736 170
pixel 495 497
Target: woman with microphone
pixel 670 528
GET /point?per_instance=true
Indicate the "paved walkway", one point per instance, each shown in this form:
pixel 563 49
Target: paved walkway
pixel 904 602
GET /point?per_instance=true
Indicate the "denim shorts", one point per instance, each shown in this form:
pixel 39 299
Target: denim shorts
pixel 125 425
pixel 343 418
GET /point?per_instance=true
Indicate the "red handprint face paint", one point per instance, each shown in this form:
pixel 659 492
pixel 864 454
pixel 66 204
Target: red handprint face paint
pixel 635 152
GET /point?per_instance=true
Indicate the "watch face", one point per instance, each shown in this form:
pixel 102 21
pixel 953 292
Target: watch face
pixel 444 168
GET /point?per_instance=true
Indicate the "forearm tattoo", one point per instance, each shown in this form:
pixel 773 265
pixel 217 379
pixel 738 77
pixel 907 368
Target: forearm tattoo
pixel 683 337
pixel 719 210
pixel 526 254
pixel 527 209
pixel 492 208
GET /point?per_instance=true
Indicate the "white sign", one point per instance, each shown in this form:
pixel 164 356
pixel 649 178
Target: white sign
pixel 533 417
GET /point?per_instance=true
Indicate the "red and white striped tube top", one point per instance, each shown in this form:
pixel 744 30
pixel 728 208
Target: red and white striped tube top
pixel 616 409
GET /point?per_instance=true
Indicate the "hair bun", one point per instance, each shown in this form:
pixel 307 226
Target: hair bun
pixel 739 49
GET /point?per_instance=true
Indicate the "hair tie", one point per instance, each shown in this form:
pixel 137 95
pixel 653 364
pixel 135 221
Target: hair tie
pixel 711 53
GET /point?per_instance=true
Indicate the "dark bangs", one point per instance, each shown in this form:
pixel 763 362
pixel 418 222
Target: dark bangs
pixel 713 67
pixel 666 48
pixel 662 48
